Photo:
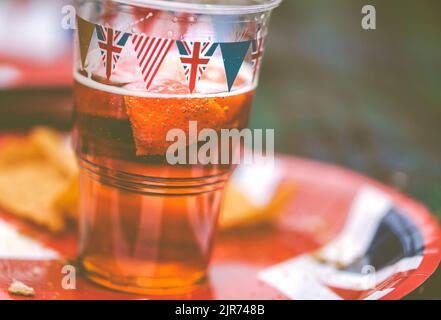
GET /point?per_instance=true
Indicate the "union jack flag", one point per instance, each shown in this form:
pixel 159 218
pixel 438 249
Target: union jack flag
pixel 111 43
pixel 257 55
pixel 151 53
pixel 195 57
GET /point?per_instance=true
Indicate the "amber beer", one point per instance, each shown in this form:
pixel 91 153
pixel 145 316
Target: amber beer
pixel 152 223
pixel 147 226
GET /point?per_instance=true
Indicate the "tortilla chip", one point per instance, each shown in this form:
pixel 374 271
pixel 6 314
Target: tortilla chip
pixel 39 181
pixel 68 201
pixel 239 211
pixel 29 189
pixel 34 172
pixel 55 147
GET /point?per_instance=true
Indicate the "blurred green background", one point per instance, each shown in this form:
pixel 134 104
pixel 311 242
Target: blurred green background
pixel 367 100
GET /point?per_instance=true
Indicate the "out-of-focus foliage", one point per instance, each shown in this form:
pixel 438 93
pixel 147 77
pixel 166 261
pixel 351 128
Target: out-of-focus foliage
pixel 369 100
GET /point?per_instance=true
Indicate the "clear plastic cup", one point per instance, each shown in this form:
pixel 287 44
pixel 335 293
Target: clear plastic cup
pixel 142 69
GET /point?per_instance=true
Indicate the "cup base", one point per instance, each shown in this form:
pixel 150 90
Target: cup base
pixel 145 285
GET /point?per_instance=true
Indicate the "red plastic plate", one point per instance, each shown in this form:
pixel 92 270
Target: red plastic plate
pixel 342 236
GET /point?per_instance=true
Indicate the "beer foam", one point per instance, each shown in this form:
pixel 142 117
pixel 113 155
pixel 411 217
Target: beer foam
pixel 210 86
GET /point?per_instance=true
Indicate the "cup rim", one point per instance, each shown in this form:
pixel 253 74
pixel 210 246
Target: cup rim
pixel 224 9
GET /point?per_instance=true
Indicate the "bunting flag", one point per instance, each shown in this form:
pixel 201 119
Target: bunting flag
pixel 85 33
pixel 195 57
pixel 151 53
pixel 233 55
pixel 111 44
pixel 257 55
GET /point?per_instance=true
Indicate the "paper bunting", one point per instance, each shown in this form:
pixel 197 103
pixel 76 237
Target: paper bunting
pixel 151 53
pixel 195 57
pixel 111 44
pixel 257 55
pixel 85 33
pixel 233 55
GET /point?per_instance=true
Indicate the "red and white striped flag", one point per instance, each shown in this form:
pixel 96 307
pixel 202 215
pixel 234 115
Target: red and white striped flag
pixel 151 52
